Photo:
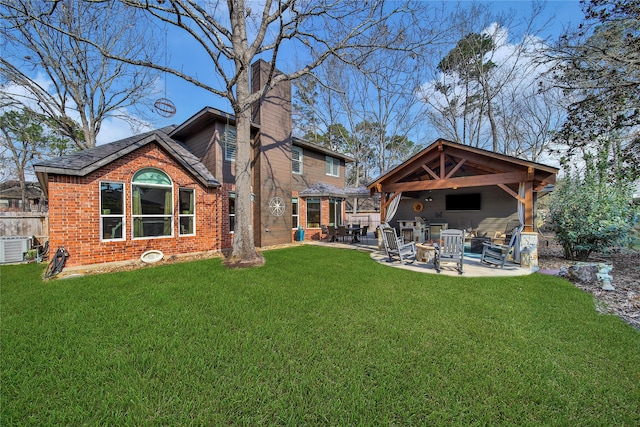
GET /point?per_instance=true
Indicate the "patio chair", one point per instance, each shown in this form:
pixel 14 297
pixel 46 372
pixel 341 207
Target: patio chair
pixel 469 232
pixel 342 232
pixel 363 233
pixel 450 250
pixel 509 230
pixel 394 246
pixel 331 237
pixel 495 254
pixel 324 231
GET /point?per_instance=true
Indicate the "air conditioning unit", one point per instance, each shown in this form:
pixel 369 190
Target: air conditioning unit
pixel 13 248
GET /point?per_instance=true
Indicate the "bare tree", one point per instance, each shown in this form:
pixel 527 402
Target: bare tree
pixel 233 34
pixel 482 77
pixel 378 100
pixel 534 113
pixel 41 42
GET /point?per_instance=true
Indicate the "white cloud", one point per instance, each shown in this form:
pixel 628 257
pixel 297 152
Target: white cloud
pixel 115 128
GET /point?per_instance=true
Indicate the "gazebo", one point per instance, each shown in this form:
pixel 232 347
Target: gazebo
pixel 454 184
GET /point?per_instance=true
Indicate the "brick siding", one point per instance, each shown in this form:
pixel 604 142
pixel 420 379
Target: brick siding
pixel 74 216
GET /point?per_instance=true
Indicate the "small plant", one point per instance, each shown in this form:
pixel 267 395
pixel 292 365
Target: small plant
pixel 31 254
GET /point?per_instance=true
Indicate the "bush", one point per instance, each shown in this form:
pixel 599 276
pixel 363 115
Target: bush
pixel 592 212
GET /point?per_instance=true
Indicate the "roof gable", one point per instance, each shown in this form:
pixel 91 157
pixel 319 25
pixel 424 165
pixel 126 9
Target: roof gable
pixel 87 161
pixel 204 118
pixel 446 164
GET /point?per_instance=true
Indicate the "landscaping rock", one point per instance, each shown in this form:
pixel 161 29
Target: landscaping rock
pixel 589 274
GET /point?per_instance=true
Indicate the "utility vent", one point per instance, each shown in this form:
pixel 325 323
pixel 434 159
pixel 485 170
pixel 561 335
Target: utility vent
pixel 13 248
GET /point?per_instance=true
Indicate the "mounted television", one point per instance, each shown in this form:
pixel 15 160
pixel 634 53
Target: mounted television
pixel 463 202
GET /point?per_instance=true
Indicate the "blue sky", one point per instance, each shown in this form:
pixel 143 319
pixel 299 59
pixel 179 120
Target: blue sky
pixel 189 99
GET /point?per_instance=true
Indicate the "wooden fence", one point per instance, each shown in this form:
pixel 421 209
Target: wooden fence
pixel 24 224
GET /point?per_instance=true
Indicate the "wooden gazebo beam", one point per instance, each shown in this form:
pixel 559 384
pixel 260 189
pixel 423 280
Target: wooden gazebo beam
pixel 459 182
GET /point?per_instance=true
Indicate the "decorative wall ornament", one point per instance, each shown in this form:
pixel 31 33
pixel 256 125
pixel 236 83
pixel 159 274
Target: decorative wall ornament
pixel 417 207
pixel 276 206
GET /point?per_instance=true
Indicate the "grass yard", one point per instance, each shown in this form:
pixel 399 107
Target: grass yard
pixel 316 336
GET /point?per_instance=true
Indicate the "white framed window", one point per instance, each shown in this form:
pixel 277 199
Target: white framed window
pixel 111 210
pixel 187 212
pixel 296 160
pixel 295 216
pixel 230 143
pixel 152 204
pixel 232 212
pixel 332 166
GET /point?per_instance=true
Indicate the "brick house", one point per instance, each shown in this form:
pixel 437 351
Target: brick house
pixel 172 189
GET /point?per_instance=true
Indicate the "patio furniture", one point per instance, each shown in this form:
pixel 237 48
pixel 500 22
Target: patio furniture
pixel 394 246
pixel 332 233
pixel 509 230
pixel 425 252
pixel 469 232
pixel 477 244
pixel 450 250
pixel 342 232
pixel 363 233
pixel 498 236
pixel 495 254
pixel 324 231
pixel 354 231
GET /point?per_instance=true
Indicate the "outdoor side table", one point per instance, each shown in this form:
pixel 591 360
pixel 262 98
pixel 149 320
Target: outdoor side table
pixel 476 244
pixel 424 252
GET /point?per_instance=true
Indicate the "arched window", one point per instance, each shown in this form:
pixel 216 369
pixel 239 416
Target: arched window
pixel 152 204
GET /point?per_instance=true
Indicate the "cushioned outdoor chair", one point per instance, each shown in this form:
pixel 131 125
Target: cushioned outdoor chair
pixel 495 254
pixel 450 249
pixel 394 246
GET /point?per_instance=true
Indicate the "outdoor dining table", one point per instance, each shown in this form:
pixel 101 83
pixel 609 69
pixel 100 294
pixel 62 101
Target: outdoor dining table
pixel 354 231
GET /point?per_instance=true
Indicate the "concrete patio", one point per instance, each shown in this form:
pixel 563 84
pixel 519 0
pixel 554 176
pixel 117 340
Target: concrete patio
pixel 472 266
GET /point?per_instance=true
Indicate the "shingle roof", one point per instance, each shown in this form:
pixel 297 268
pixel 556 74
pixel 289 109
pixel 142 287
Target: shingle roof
pixel 86 161
pixel 11 190
pixel 320 189
pixel 320 149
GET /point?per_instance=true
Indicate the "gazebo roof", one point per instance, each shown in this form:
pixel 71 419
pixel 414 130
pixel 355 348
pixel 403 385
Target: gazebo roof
pixel 445 164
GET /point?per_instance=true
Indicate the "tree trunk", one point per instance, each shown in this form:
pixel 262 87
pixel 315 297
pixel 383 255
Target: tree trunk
pixel 244 252
pixel 23 192
pixel 490 115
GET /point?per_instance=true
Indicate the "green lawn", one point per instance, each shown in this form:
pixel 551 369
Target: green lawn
pixel 316 336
